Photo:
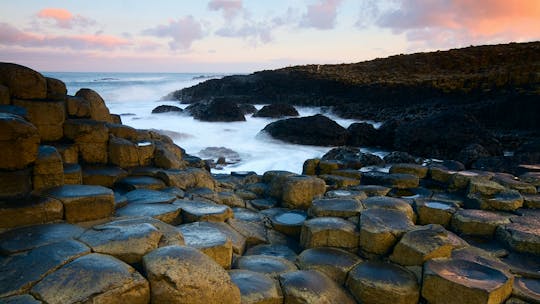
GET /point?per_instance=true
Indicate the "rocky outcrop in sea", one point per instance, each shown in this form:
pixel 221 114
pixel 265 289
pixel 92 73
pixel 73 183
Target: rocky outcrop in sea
pixel 93 211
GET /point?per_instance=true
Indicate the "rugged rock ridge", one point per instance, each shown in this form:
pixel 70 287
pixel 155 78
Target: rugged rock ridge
pixel 110 214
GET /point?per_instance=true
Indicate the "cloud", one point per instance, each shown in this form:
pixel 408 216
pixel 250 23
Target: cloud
pixel 451 22
pixel 321 15
pixel 230 8
pixel 10 35
pixel 183 32
pixel 254 32
pixel 64 19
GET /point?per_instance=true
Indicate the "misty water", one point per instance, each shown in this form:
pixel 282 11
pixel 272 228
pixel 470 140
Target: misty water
pixel 133 96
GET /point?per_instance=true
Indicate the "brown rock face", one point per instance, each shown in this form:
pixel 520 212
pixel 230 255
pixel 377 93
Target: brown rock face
pixel 29 212
pixel 48 116
pixel 98 110
pixel 91 138
pixel 179 274
pixel 19 142
pixel 15 184
pixel 48 169
pixel 23 82
pixel 5 99
pixel 56 89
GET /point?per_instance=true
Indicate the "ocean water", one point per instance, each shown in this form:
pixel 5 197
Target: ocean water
pixel 134 95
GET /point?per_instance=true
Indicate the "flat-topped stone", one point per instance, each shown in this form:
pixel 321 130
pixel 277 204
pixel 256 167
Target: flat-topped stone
pixel 329 232
pixel 188 178
pixel 238 241
pixel 461 281
pixel 147 196
pixel 168 213
pixel 521 236
pixel 392 203
pixel 248 215
pixel 128 243
pixel 289 222
pixel 346 194
pixel 195 211
pixel 210 241
pixel 310 286
pixel 380 230
pixel 277 250
pixel 372 190
pixel 333 262
pixel 414 169
pixel 22 271
pixel 394 180
pixel 31 211
pixel 527 289
pixel 256 288
pixel 83 202
pixel 255 232
pixel 506 200
pixel 478 222
pixel 435 212
pixel 96 278
pixel 424 243
pixel 130 183
pixel 263 203
pixel 25 238
pixel 380 282
pixel 272 266
pixel 104 176
pixel 339 181
pixel 512 182
pixel 335 207
pixel 184 275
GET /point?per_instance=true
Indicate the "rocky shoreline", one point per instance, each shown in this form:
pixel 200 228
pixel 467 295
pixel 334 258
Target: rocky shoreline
pixel 93 211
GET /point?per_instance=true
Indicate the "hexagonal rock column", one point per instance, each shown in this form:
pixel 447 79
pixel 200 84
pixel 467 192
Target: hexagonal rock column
pixel 23 82
pixel 288 222
pixel 179 274
pixel 48 169
pixel 391 203
pixel 521 236
pixel 527 289
pixel 167 213
pixel 123 152
pixel 310 286
pixel 435 212
pixel 478 222
pixel 294 191
pixel 394 180
pixel 333 262
pixel 98 109
pixel 91 137
pixel 195 211
pixel 210 241
pixel 336 207
pixel 128 243
pixel 26 238
pixel 269 265
pixel 84 203
pixel 329 232
pixel 425 243
pixel 380 230
pixel 459 281
pixel 414 169
pixel 19 142
pixel 30 211
pixel 47 115
pixel 256 288
pixel 188 178
pixel 95 278
pixel 380 283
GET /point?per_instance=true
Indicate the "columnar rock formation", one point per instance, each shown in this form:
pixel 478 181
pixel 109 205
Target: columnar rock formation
pixel 95 211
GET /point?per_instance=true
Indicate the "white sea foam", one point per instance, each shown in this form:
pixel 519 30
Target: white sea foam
pixel 138 94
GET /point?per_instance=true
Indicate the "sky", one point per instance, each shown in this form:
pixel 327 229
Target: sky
pixel 247 35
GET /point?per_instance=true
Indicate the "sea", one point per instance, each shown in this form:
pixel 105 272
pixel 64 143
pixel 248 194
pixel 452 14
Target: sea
pixel 134 95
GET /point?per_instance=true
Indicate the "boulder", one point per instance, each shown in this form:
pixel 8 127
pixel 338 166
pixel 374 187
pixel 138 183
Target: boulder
pixel 294 191
pixel 168 156
pixel 347 157
pixel 210 241
pixel 166 109
pixel 362 134
pixel 310 286
pixel 276 110
pixel 122 152
pixel 30 211
pixel 317 130
pixel 95 278
pixel 247 108
pixel 23 82
pixel 399 157
pixel 443 136
pixel 48 169
pixel 425 243
pixel 460 281
pixel 333 262
pixel 19 142
pixel 77 107
pixel 98 109
pixel 22 271
pixel 329 232
pixel 84 203
pixel 379 282
pixel 180 274
pixel 56 89
pixel 217 109
pixel 188 178
pixel 271 266
pixel 256 288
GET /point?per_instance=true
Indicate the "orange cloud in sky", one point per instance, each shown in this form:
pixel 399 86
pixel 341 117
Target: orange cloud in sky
pixel 64 18
pixel 55 13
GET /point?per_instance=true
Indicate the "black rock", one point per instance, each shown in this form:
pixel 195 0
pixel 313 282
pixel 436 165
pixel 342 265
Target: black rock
pixel 317 130
pixel 362 135
pixel 353 158
pixel 277 110
pixel 247 108
pixel 218 109
pixel 166 109
pixel 398 157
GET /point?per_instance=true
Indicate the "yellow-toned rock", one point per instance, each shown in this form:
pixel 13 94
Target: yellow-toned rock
pixel 19 142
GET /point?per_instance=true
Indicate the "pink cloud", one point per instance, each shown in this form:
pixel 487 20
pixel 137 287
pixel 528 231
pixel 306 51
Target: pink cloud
pixel 64 18
pixel 10 35
pixel 454 22
pixel 230 8
pixel 321 15
pixel 183 32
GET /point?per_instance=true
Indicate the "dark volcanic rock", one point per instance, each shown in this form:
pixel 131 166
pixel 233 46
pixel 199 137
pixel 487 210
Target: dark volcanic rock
pixel 166 109
pixel 444 136
pixel 362 134
pixel 317 130
pixel 276 110
pixel 247 108
pixel 216 110
pixel 353 158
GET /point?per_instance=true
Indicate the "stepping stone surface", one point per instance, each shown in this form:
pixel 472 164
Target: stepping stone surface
pixel 333 262
pixel 196 211
pixel 336 207
pixel 84 203
pixel 25 238
pixel 256 288
pixel 32 211
pixel 310 286
pixel 329 232
pixel 210 241
pixel 478 222
pixel 265 264
pixel 167 213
